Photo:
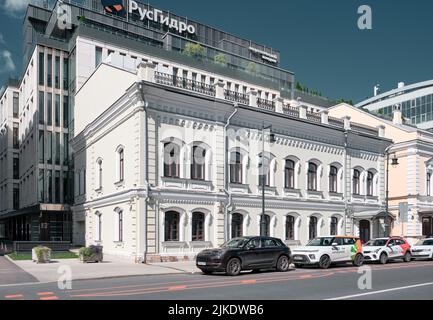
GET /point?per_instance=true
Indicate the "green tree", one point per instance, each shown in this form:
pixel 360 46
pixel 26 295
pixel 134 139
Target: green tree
pixel 194 50
pixel 252 68
pixel 221 59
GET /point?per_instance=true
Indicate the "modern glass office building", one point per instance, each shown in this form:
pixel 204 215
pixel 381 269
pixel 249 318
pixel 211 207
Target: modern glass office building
pixel 62 47
pixel 415 101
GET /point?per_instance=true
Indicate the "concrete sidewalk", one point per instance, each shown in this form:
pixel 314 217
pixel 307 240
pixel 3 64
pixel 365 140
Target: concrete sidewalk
pixel 110 268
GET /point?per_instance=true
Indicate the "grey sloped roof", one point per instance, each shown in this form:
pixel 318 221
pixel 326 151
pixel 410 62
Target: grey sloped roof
pixel 312 99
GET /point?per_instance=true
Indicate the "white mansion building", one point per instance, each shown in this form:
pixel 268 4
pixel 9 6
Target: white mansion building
pixel 166 166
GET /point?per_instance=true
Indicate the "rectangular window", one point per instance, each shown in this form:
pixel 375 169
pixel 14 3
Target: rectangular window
pixel 16 198
pixel 57 187
pixel 41 149
pixel 15 139
pixel 65 149
pixel 57 149
pixel 50 186
pixel 57 72
pixel 41 107
pixel 16 168
pixel 57 111
pixel 49 109
pixel 49 148
pixel 41 68
pixel 16 104
pixel 98 56
pixel 65 187
pixel 50 71
pixel 65 111
pixel 65 74
pixel 41 186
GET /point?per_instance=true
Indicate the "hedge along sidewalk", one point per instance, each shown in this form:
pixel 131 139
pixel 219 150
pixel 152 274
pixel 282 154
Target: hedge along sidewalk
pixel 54 255
pixel 110 268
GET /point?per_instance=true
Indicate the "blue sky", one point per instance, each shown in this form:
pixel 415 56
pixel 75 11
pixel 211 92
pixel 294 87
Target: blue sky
pixel 318 40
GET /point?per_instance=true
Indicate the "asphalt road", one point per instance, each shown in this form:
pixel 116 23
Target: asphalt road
pixel 10 273
pixel 393 281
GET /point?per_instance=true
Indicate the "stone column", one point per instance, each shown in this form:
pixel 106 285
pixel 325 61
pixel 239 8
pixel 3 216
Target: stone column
pixel 325 116
pixel 253 98
pixel 219 89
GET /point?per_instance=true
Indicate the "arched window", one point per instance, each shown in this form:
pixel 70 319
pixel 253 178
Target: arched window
pixel 333 178
pixel 264 171
pixel 370 189
pixel 172 220
pixel 121 164
pixel 198 163
pixel 98 226
pixel 428 184
pixel 235 167
pixel 356 181
pixel 119 225
pixel 289 174
pixel 171 160
pixel 290 228
pixel 267 225
pixel 334 226
pixel 198 232
pixel 237 225
pixel 313 228
pixel 312 176
pixel 99 174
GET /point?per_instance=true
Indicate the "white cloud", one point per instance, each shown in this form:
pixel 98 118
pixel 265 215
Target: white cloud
pixel 17 8
pixel 6 62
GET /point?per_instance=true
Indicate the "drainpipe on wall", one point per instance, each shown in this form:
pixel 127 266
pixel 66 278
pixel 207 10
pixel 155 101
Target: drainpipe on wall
pixel 345 182
pixel 226 176
pixel 146 168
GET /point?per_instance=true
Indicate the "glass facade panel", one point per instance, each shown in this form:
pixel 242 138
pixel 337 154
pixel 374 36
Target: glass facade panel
pixel 49 70
pixel 57 111
pixel 57 72
pixel 49 109
pixel 41 107
pixel 41 68
pixel 41 149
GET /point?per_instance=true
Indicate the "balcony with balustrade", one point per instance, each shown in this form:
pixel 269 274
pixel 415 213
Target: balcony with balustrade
pixel 250 99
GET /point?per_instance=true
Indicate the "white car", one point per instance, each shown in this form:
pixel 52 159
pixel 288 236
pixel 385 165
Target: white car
pixel 423 249
pixel 324 251
pixel 383 250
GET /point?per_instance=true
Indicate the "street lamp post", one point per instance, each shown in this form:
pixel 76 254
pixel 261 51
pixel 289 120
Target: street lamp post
pixel 263 175
pixel 394 164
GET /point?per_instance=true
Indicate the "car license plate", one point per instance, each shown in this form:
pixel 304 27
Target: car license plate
pixel 201 263
pixel 297 258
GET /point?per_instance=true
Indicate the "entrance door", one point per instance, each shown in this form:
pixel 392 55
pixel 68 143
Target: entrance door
pixel 364 230
pixel 427 226
pixel 44 228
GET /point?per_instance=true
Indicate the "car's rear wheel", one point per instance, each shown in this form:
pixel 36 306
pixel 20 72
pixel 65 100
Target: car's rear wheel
pixel 407 257
pixel 325 262
pixel 283 264
pixel 234 267
pixel 383 259
pixel 359 260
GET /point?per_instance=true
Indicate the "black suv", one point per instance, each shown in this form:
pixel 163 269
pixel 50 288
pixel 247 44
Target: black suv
pixel 246 253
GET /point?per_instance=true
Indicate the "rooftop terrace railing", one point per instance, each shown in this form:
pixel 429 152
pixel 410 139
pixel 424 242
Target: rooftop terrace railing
pixel 234 96
pixel 184 83
pixel 245 99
